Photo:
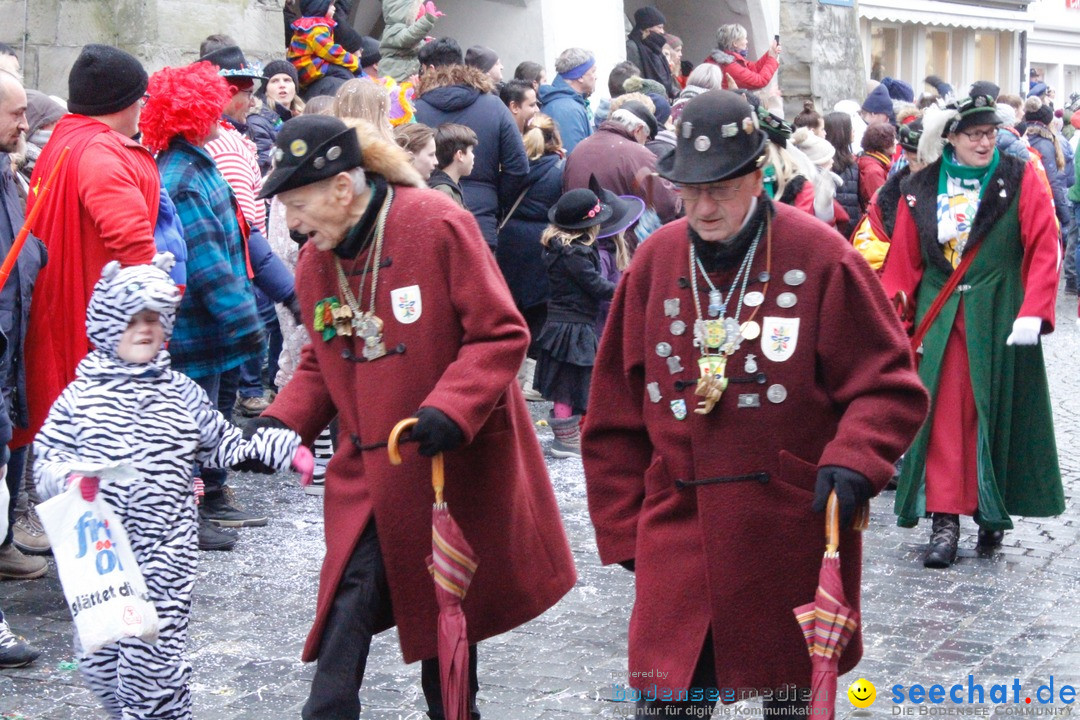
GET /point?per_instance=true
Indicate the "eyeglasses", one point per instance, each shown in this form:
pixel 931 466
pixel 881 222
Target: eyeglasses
pixel 978 135
pixel 715 193
pixel 144 99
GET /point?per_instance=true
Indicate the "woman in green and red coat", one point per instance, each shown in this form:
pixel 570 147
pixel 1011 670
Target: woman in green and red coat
pixel 988 449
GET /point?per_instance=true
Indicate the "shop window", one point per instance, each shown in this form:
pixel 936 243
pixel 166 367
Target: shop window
pixel 986 56
pixel 939 53
pixel 884 52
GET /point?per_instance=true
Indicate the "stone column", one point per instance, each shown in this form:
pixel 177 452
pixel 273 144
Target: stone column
pixel 822 55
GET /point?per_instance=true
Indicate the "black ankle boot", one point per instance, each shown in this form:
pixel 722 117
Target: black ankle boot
pixel 990 539
pixel 944 537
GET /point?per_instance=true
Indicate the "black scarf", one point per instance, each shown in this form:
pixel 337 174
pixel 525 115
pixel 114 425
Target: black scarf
pixel 361 234
pixel 654 65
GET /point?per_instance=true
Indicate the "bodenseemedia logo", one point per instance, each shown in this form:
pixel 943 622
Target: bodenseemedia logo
pixel 969 697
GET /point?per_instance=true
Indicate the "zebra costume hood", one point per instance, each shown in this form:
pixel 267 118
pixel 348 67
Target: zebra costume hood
pixel 118 296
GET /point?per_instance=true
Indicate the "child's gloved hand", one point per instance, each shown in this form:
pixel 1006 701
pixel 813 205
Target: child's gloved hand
pixel 303 462
pixel 88 486
pixel 429 8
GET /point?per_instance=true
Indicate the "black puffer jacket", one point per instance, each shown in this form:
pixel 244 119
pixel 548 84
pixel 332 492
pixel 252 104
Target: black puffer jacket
pixel 577 285
pixel 848 196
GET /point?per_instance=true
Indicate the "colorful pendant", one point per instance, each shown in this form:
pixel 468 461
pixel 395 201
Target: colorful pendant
pixel 712 383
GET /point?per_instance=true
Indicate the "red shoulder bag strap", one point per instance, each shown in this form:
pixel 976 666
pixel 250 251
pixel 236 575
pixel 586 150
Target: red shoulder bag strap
pixel 942 297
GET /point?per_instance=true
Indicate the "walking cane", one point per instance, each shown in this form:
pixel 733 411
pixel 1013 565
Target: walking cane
pixel 20 239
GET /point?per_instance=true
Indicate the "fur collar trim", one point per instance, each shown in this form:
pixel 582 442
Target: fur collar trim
pixel 723 58
pixel 384 158
pixel 888 199
pixel 920 192
pixel 455 75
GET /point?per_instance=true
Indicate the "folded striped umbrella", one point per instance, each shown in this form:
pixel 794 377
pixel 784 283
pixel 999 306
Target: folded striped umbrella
pixel 452 564
pixel 828 624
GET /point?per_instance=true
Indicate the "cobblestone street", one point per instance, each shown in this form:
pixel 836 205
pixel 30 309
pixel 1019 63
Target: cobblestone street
pixel 1013 614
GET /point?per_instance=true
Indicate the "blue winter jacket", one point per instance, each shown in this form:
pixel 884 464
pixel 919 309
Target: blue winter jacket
pixel 457 94
pixel 520 255
pixel 1060 180
pixel 568 109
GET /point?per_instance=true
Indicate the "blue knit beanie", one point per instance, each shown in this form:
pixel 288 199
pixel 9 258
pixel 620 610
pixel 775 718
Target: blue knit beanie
pixel 879 101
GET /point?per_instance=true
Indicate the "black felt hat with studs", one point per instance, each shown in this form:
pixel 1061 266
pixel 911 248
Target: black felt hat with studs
pixel 718 139
pixel 308 149
pixel 579 209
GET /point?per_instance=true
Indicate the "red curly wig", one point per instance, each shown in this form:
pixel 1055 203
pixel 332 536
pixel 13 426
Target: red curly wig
pixel 185 101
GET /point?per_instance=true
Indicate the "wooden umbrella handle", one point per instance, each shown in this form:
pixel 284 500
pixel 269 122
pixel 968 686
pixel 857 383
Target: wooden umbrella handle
pixel 438 472
pixel 832 524
pixel 860 522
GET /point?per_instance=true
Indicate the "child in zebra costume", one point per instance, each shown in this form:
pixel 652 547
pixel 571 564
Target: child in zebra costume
pixel 127 406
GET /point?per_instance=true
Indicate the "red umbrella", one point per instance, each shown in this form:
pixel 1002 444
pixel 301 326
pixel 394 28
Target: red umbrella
pixel 452 564
pixel 827 623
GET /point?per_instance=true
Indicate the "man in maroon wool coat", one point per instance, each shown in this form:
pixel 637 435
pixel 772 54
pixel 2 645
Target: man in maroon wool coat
pixel 806 385
pixel 435 335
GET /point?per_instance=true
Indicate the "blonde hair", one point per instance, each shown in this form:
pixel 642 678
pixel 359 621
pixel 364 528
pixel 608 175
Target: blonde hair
pixel 554 233
pixel 783 163
pixel 365 99
pixel 623 253
pixel 542 138
pixel 642 98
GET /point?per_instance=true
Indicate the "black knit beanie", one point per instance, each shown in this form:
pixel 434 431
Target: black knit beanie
pixel 369 51
pixel 648 17
pixel 280 67
pixel 104 80
pixel 480 57
pixel 314 8
pixel 1042 113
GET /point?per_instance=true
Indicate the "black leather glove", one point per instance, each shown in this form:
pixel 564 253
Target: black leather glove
pixel 852 490
pixel 628 564
pixel 253 425
pixel 435 432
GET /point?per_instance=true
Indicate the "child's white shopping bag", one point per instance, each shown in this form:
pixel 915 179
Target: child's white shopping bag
pixel 5 497
pixel 104 588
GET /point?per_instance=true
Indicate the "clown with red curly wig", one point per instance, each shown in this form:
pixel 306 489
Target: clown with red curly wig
pixel 183 102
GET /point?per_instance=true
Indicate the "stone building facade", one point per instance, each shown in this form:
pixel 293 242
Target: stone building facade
pixel 822 57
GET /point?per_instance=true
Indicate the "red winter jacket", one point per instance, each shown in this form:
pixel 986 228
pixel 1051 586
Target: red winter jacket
pixel 873 172
pixel 748 75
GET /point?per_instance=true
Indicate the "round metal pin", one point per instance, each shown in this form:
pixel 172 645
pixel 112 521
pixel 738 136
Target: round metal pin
pixel 750 330
pixel 678 327
pixel 794 277
pixel 753 299
pixel 763 277
pixel 786 300
pixel 663 349
pixel 776 393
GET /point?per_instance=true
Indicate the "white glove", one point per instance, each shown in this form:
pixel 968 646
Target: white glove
pixel 1025 331
pixel 824 193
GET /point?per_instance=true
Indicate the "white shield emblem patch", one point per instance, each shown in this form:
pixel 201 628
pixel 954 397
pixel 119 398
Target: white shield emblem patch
pixel 779 337
pixel 407 304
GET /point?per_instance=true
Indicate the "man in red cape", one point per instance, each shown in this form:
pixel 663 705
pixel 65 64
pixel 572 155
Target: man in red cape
pixel 102 207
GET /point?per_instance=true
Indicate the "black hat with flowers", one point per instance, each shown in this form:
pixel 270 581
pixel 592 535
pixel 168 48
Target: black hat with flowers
pixel 579 209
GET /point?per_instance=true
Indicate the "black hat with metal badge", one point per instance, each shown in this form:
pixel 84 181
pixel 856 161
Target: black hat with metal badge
pixel 308 149
pixel 717 139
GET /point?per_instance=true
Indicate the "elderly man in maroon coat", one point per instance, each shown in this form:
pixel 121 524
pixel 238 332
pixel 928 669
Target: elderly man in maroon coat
pixel 408 315
pixel 750 365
